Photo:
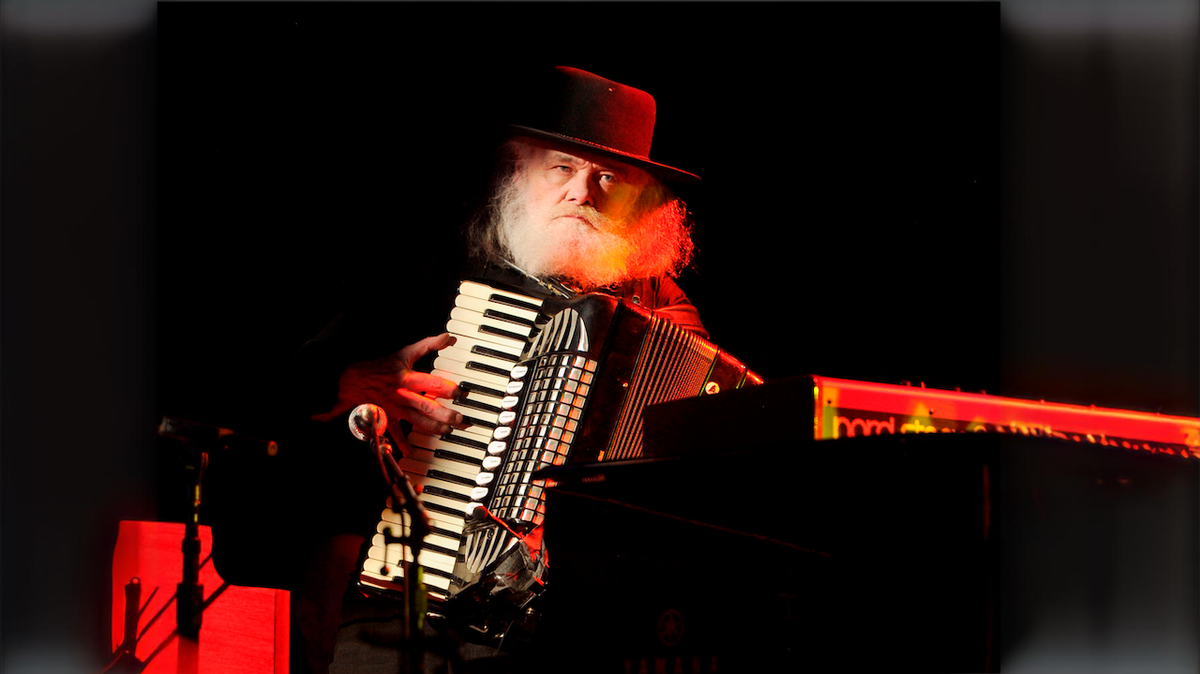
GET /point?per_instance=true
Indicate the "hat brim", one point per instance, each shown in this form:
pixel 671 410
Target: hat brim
pixel 661 171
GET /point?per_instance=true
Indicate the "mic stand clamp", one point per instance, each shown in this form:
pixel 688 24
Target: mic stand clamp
pixel 404 500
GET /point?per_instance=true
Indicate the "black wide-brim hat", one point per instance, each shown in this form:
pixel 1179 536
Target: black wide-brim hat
pixel 579 109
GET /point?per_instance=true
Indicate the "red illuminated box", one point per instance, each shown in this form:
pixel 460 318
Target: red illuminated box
pixel 245 629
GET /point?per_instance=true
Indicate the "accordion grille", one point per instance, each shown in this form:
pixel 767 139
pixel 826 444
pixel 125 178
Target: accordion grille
pixel 673 363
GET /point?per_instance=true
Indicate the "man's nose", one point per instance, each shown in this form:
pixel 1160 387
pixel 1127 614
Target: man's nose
pixel 579 189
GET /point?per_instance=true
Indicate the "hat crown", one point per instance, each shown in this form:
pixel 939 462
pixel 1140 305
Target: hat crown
pixel 593 109
pixel 580 108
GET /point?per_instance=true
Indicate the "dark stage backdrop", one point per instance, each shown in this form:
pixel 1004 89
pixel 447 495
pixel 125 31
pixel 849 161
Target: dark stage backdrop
pixel 847 220
pixel 925 192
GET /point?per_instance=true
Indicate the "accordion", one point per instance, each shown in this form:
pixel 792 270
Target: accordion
pixel 543 381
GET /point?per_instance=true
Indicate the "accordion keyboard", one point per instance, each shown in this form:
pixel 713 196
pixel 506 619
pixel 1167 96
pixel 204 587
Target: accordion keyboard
pixel 454 471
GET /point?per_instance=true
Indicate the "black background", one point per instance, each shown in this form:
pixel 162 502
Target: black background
pixel 921 192
pixel 848 217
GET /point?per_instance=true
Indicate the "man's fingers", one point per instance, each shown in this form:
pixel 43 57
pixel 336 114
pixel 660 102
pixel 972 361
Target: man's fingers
pixel 420 382
pixel 427 414
pixel 414 352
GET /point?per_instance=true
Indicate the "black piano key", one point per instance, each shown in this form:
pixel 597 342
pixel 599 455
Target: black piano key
pixel 507 318
pixel 490 330
pixel 434 490
pixel 451 477
pixel 479 422
pixel 437 572
pixel 425 547
pixel 445 510
pixel 452 456
pixel 493 353
pixel 490 369
pixel 470 387
pixel 476 405
pixel 512 302
pixel 464 441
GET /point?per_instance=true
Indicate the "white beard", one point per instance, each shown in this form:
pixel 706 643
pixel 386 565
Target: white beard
pixel 599 253
pixel 588 257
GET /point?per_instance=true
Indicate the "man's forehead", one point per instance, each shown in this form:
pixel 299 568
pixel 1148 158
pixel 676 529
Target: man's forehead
pixel 555 152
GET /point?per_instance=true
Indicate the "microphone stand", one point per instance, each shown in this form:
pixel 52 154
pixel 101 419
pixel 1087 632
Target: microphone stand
pixel 404 499
pixel 189 593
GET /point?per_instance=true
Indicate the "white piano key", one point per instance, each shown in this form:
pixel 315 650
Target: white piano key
pixel 474 289
pixel 477 319
pixel 421 461
pixel 455 505
pixel 441 520
pixel 437 586
pixel 428 558
pixel 460 490
pixel 452 489
pixel 470 343
pixel 432 539
pixel 392 561
pixel 431 443
pixel 481 304
pixel 398 521
pixel 458 371
pixel 464 355
pixel 390 553
pixel 481 432
pixel 468 329
pixel 477 391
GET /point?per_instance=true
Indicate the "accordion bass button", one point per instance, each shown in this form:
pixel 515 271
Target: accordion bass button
pixel 509 402
pixel 514 387
pixel 483 479
pixel 478 493
pixel 519 371
pixel 502 432
pixel 491 462
pixel 497 447
pixel 507 417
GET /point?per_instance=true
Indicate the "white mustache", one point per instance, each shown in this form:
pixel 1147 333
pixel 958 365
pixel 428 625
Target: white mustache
pixel 590 215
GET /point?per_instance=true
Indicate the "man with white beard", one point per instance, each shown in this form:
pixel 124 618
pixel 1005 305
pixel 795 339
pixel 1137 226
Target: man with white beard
pixel 576 206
